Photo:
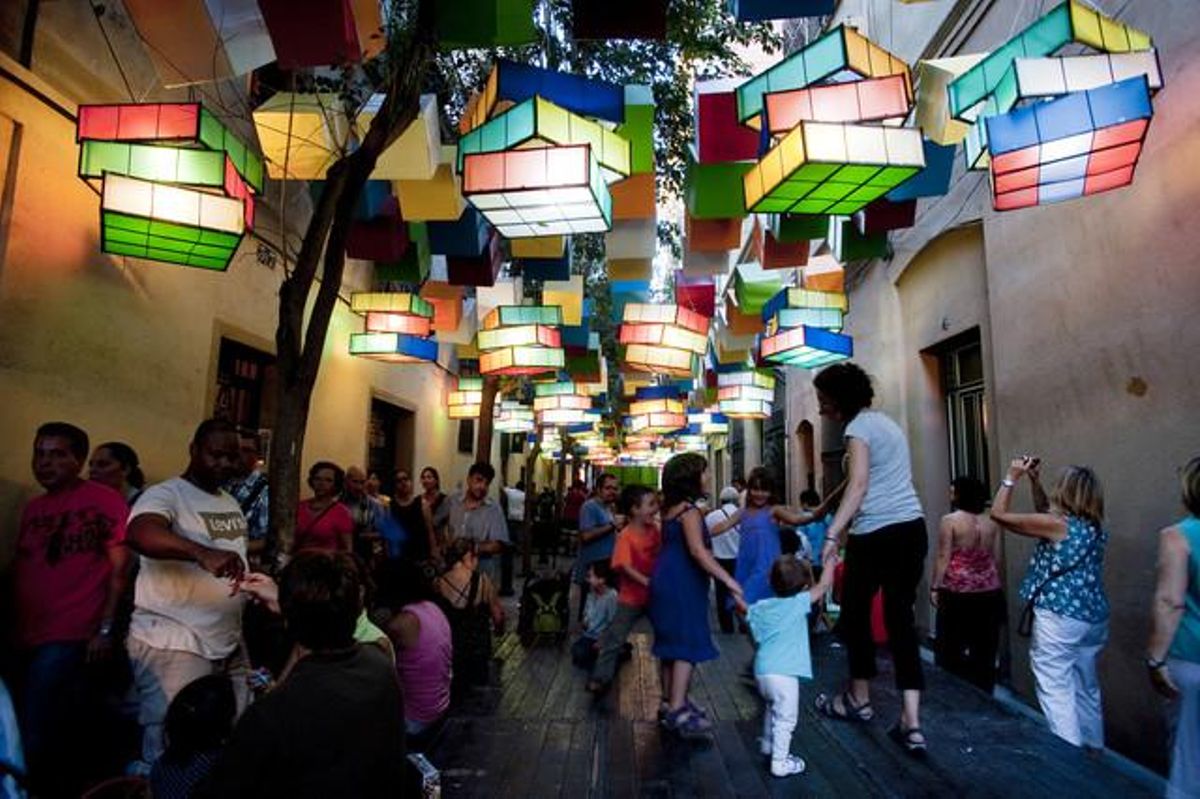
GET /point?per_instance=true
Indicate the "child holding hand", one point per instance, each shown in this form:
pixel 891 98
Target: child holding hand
pixel 633 560
pixel 599 609
pixel 780 629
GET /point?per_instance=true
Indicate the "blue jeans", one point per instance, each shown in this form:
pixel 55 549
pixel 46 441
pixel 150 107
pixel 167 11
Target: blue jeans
pixel 583 652
pixel 53 694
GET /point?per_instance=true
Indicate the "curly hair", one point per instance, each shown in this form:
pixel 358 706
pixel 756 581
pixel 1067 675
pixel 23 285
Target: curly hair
pixel 682 478
pixel 339 474
pixel 847 386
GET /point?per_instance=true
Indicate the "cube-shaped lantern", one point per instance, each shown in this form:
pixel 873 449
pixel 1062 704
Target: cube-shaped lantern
pixel 414 265
pixel 393 347
pixel 415 155
pixel 568 296
pixel 630 268
pixel 538 247
pixel 638 128
pixel 466 400
pixel 886 100
pixel 302 133
pixel 1082 143
pixel 539 192
pixel 933 180
pixel 794 228
pixel 883 215
pixel 633 197
pixel 719 135
pixel 485 23
pixel 512 82
pixel 537 122
pixel 806 347
pixel 825 273
pixel 438 199
pixel 393 312
pixel 832 168
pixel 714 191
pixel 633 238
pixel 712 235
pixel 476 270
pixel 695 294
pixel 760 10
pixel 619 19
pixel 775 255
pixel 839 51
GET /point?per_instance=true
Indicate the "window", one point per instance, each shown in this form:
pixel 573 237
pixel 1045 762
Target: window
pixel 966 410
pixel 466 436
pixel 245 386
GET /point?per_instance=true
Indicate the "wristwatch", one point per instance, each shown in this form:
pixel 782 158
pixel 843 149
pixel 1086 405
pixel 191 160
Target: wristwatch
pixel 1155 665
pixel 1007 483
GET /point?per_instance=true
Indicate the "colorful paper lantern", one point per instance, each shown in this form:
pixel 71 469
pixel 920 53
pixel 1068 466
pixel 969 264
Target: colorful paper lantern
pixel 1070 22
pixel 745 394
pixel 185 127
pixel 633 197
pixel 624 292
pixel 886 100
pixel 513 417
pixel 415 154
pixel 302 133
pixel 512 82
pixel 414 264
pixel 1080 144
pixel 1040 78
pixel 695 294
pixel 476 270
pixel 712 235
pixel 384 238
pixel 169 223
pixel 465 237
pixel 393 312
pixel 467 400
pixel 393 347
pixel 739 322
pixel 547 268
pixel 638 128
pixel 182 41
pixel 775 255
pixel 884 215
pixel 705 264
pixel 468 327
pixel 760 10
pixel 933 107
pixel 825 273
pixel 832 168
pixel 933 180
pixel 538 122
pixel 630 268
pixel 539 192
pixel 633 238
pixel 753 288
pixel 540 247
pixel 484 23
pixel 719 135
pixel 805 298
pixel 567 295
pixel 806 347
pixel 619 19
pixel 243 34
pixel 438 199
pixel 794 228
pixel 841 50
pixel 518 361
pixel 714 190
pixel 314 33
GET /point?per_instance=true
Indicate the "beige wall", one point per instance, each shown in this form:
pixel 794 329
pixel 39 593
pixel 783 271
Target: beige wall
pixel 127 348
pixel 1088 323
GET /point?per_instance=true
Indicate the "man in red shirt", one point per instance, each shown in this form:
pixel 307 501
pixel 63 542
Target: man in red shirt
pixel 69 573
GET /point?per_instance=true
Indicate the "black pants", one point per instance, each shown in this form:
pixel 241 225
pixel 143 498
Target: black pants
pixel 968 634
pixel 891 558
pixel 724 613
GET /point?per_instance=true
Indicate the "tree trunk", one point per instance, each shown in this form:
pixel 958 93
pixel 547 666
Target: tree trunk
pixel 298 346
pixel 487 421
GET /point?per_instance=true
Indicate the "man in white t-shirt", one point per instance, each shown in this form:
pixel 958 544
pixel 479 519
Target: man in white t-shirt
pixel 187 617
pixel 725 548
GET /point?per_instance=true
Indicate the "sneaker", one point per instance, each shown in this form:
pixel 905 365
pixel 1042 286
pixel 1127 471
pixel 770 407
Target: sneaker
pixel 688 725
pixel 788 767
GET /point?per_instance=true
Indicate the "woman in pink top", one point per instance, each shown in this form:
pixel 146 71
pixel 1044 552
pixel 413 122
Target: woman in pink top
pixel 966 587
pixel 322 521
pixel 424 654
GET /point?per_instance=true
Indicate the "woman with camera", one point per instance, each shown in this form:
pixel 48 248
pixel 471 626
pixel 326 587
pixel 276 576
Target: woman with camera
pixel 1064 591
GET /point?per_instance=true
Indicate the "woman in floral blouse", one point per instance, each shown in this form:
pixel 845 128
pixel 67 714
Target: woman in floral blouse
pixel 1065 583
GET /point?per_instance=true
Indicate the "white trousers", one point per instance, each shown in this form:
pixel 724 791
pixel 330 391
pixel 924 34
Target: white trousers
pixel 1184 715
pixel 782 695
pixel 1063 654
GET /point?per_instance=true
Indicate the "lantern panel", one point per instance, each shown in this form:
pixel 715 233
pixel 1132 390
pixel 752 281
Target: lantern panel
pixel 305 132
pixel 393 347
pixel 885 100
pixel 719 135
pixel 511 315
pixel 416 153
pixel 522 360
pixel 806 347
pixel 539 192
pixel 633 197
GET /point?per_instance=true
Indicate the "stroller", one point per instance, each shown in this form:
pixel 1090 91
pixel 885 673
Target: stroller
pixel 544 608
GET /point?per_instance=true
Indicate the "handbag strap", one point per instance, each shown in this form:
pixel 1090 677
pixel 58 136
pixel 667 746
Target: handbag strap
pixel 1054 575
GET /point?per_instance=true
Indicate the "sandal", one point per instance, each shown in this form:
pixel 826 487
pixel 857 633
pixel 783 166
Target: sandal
pixel 687 724
pixel 849 711
pixel 912 740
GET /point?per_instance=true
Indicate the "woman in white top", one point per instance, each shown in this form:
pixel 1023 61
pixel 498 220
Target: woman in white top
pixel 881 524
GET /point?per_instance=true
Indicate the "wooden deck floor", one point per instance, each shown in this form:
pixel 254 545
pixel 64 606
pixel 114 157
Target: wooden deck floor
pixel 537 733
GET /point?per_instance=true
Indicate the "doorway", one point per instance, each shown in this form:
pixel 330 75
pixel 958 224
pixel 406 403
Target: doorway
pixel 390 437
pixel 808 455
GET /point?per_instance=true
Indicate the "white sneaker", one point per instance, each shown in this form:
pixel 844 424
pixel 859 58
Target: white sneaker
pixel 788 767
pixel 764 746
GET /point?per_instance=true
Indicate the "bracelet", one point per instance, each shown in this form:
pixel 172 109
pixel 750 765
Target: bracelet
pixel 1155 665
pixel 1007 483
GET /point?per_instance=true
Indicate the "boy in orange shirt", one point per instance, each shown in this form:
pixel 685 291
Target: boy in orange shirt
pixel 633 562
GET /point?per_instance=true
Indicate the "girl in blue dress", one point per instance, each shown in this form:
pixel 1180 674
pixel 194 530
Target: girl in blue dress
pixel 760 542
pixel 679 593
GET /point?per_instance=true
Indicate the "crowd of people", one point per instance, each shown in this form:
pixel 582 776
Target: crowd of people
pixel 167 633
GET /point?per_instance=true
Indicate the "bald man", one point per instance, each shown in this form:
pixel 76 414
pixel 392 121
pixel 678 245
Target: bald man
pixel 366 510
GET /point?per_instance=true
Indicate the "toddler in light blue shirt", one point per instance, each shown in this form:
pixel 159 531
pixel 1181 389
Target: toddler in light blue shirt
pixel 779 625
